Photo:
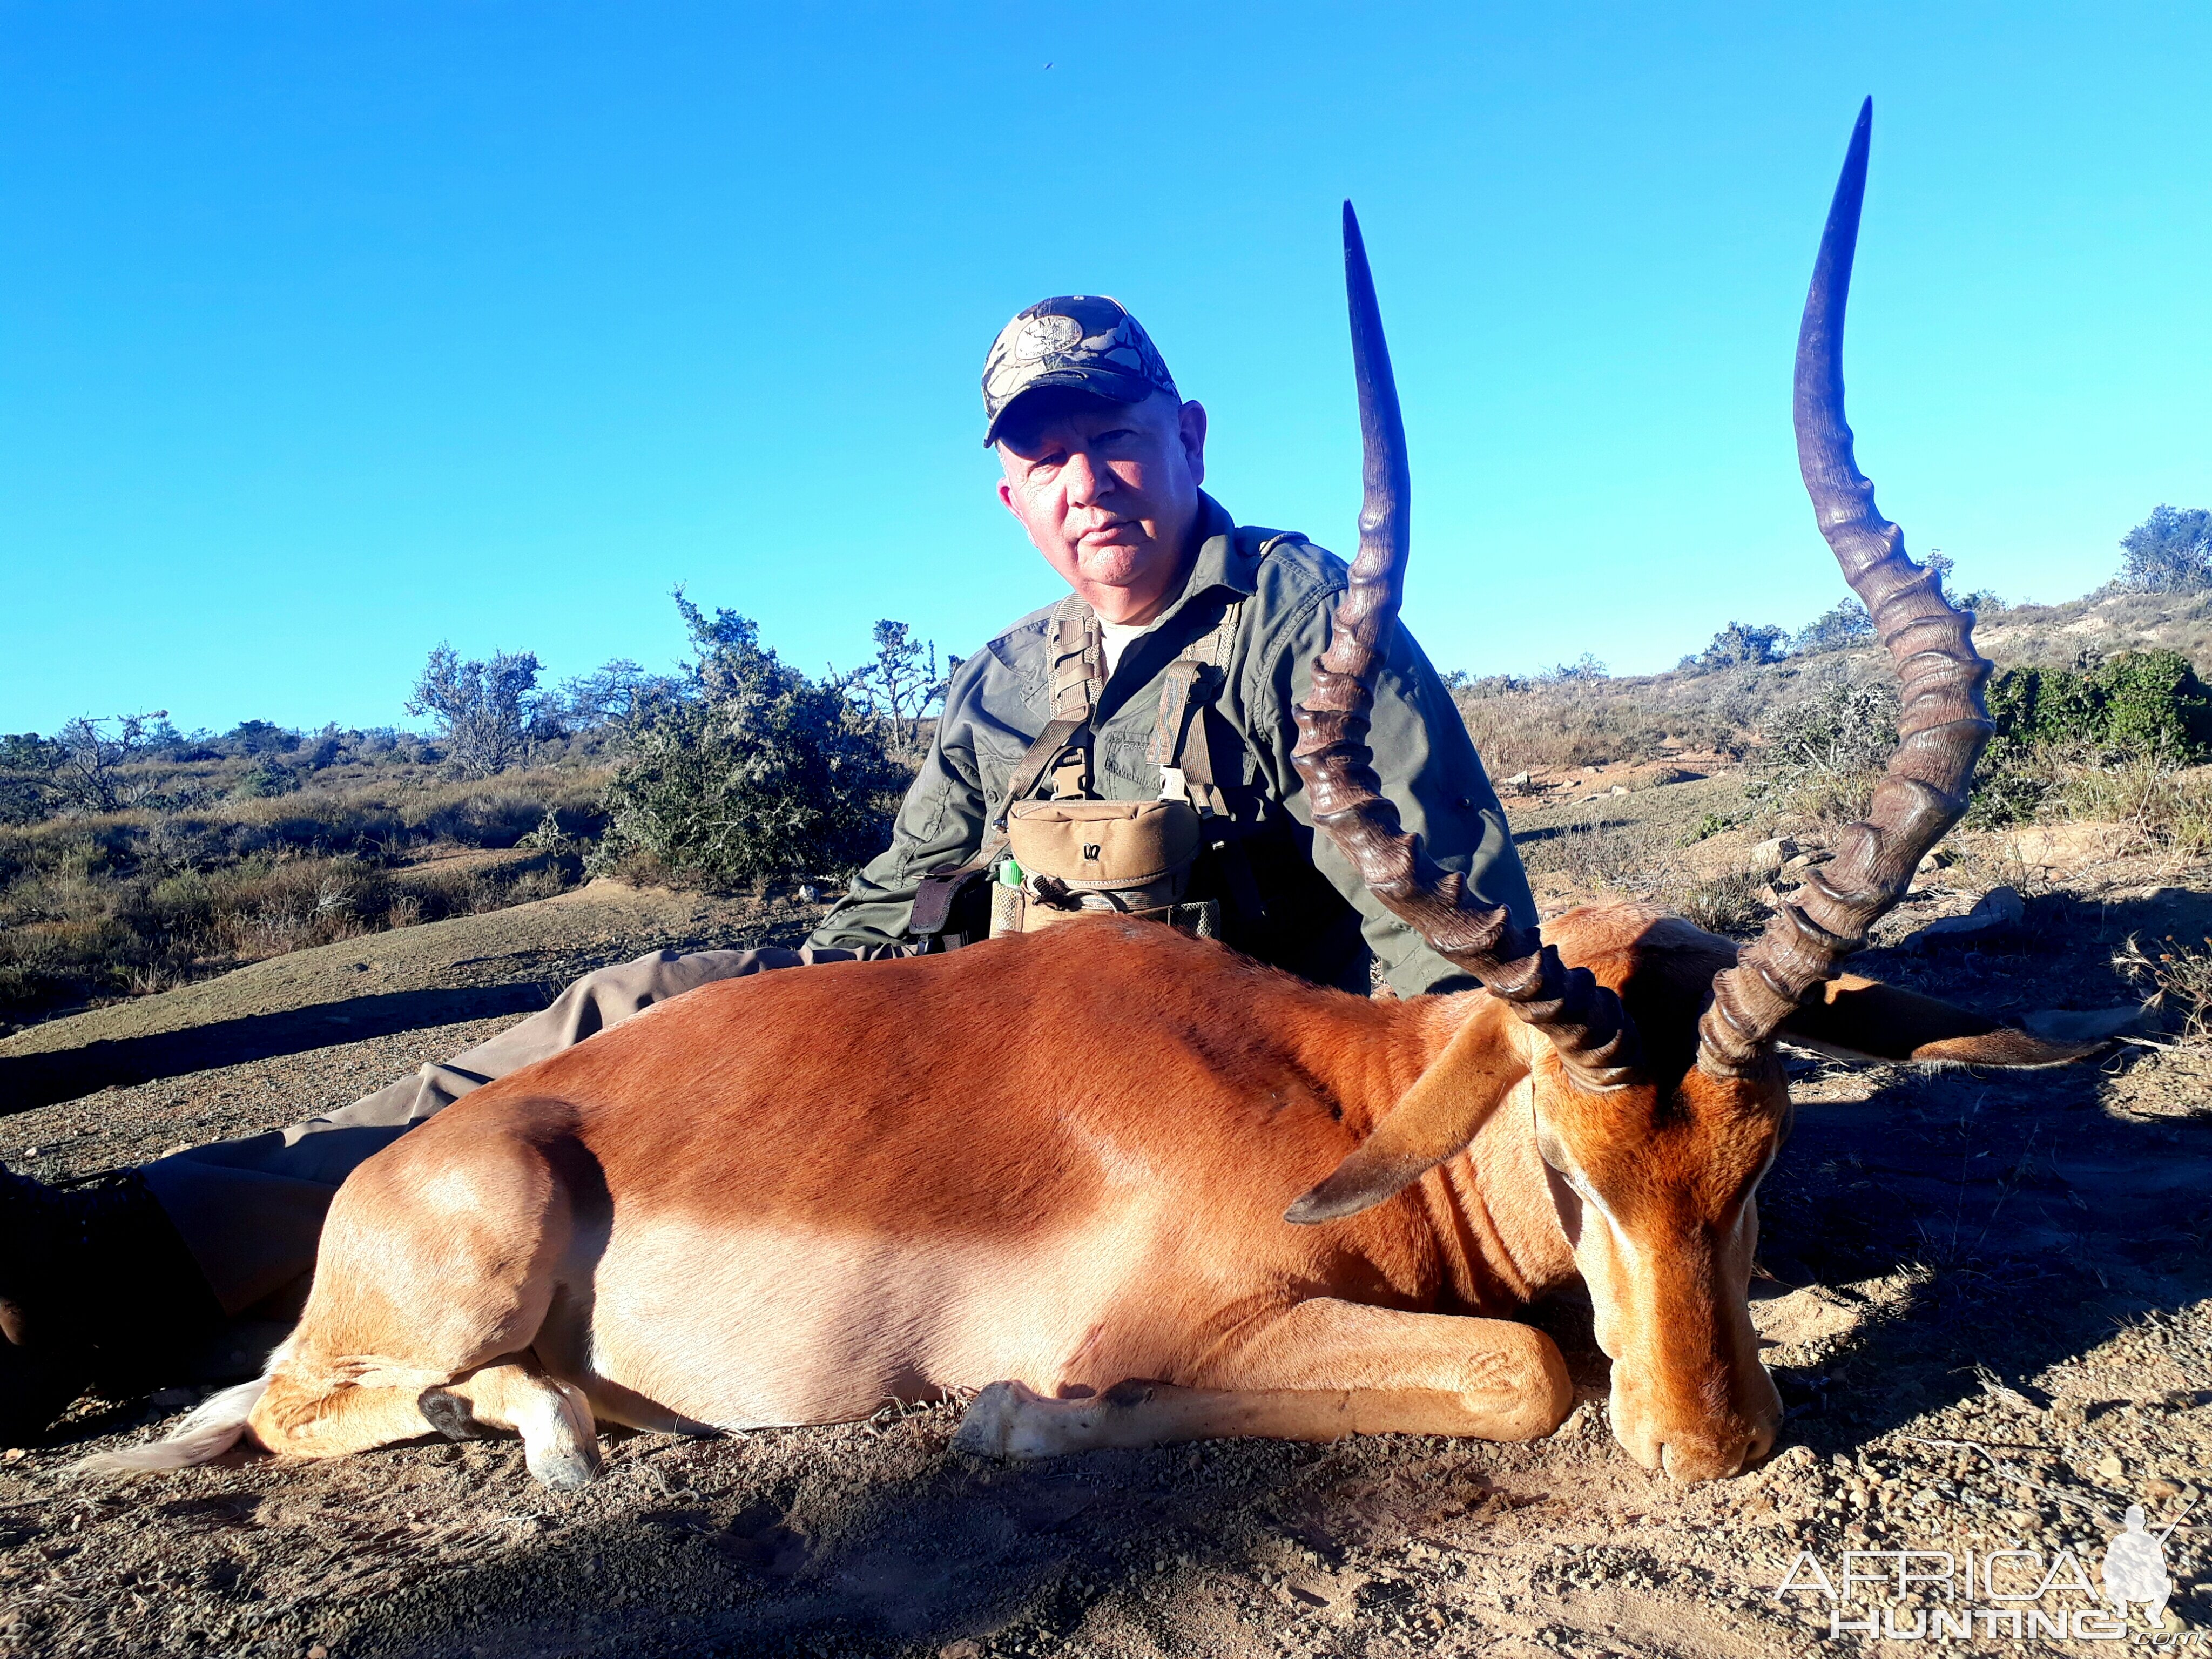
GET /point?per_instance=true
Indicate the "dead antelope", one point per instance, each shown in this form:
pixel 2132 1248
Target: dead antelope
pixel 1054 1162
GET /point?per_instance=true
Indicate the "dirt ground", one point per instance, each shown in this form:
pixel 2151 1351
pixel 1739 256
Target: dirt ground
pixel 1989 1298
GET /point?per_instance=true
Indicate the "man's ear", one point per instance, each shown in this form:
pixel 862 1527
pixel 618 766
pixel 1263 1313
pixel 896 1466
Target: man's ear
pixel 1006 496
pixel 1191 421
pixel 1865 1019
pixel 1432 1120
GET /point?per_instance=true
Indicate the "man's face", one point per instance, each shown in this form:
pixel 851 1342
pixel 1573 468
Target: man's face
pixel 1109 492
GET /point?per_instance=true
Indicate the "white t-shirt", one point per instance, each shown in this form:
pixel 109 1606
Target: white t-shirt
pixel 1117 635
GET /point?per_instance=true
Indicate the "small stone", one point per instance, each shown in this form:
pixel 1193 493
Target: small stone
pixel 13 1455
pixel 2109 1467
pixel 318 1651
pixel 963 1649
pixel 2000 910
pixel 1618 789
pixel 1769 856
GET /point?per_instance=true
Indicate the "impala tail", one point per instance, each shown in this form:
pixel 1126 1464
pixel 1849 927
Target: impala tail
pixel 211 1429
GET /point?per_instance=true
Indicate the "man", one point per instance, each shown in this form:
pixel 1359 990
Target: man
pixel 1175 660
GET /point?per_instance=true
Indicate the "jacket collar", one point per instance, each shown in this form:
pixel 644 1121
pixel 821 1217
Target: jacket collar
pixel 1223 561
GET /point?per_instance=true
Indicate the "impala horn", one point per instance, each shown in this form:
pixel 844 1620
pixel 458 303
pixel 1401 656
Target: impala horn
pixel 1583 1020
pixel 1942 723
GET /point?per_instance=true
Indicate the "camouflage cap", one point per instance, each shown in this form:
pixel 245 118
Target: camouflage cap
pixel 1083 341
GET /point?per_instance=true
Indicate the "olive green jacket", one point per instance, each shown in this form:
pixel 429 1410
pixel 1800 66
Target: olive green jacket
pixel 1323 922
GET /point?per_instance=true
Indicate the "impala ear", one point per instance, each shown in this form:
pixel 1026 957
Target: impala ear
pixel 1865 1019
pixel 1435 1118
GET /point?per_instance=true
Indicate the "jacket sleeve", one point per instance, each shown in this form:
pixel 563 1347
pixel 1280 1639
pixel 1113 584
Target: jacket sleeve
pixel 940 822
pixel 1430 772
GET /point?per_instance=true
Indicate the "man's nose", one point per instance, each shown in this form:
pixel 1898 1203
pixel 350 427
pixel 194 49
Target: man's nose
pixel 1086 481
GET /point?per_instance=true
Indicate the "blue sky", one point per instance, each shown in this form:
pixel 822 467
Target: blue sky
pixel 331 332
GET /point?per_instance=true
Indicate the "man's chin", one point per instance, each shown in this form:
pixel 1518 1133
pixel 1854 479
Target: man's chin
pixel 1116 565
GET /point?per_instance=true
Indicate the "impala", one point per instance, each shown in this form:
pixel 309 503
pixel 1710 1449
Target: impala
pixel 1137 1189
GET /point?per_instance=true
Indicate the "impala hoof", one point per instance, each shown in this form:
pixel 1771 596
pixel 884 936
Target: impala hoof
pixel 993 1422
pixel 565 1468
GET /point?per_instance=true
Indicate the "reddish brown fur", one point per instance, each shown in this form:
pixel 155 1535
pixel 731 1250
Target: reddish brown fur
pixel 1058 1160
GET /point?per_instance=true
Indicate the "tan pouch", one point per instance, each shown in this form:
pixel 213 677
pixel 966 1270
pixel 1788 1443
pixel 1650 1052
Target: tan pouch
pixel 1077 855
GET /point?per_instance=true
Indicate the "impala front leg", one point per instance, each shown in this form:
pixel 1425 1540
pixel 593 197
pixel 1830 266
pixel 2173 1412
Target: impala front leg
pixel 1319 1371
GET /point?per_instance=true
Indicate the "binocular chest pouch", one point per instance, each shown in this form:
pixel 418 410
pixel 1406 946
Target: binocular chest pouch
pixel 1130 856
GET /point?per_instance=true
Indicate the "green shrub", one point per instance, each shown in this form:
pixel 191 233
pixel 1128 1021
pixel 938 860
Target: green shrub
pixel 2140 703
pixel 265 778
pixel 756 772
pixel 1711 824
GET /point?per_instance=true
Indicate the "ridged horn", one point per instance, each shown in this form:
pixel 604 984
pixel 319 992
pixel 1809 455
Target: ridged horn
pixel 1583 1020
pixel 1942 724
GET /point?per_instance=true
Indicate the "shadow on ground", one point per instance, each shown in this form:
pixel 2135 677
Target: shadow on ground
pixel 38 1079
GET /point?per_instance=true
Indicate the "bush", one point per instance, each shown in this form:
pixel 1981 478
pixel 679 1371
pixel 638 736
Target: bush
pixel 266 778
pixel 2148 703
pixel 2169 552
pixel 1740 645
pixel 1845 628
pixel 1583 668
pixel 28 765
pixel 251 738
pixel 900 687
pixel 756 772
pixel 1823 756
pixel 91 755
pixel 1733 902
pixel 489 713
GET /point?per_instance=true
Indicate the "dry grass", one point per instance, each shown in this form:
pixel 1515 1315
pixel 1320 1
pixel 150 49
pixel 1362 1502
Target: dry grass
pixel 2054 635
pixel 136 901
pixel 1645 858
pixel 1558 725
pixel 2180 978
pixel 2169 807
pixel 1594 855
pixel 1554 728
pixel 1732 901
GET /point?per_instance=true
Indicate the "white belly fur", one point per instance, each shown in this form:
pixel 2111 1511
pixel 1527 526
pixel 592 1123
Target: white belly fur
pixel 781 1323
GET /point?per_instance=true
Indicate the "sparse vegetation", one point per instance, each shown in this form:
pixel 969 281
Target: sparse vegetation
pixel 1823 756
pixel 901 688
pixel 94 905
pixel 2179 977
pixel 1733 902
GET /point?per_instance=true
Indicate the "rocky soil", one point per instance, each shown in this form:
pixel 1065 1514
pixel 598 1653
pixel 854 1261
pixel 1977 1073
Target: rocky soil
pixel 1989 1299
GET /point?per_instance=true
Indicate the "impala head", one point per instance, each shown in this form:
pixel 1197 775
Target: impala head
pixel 1649 1068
